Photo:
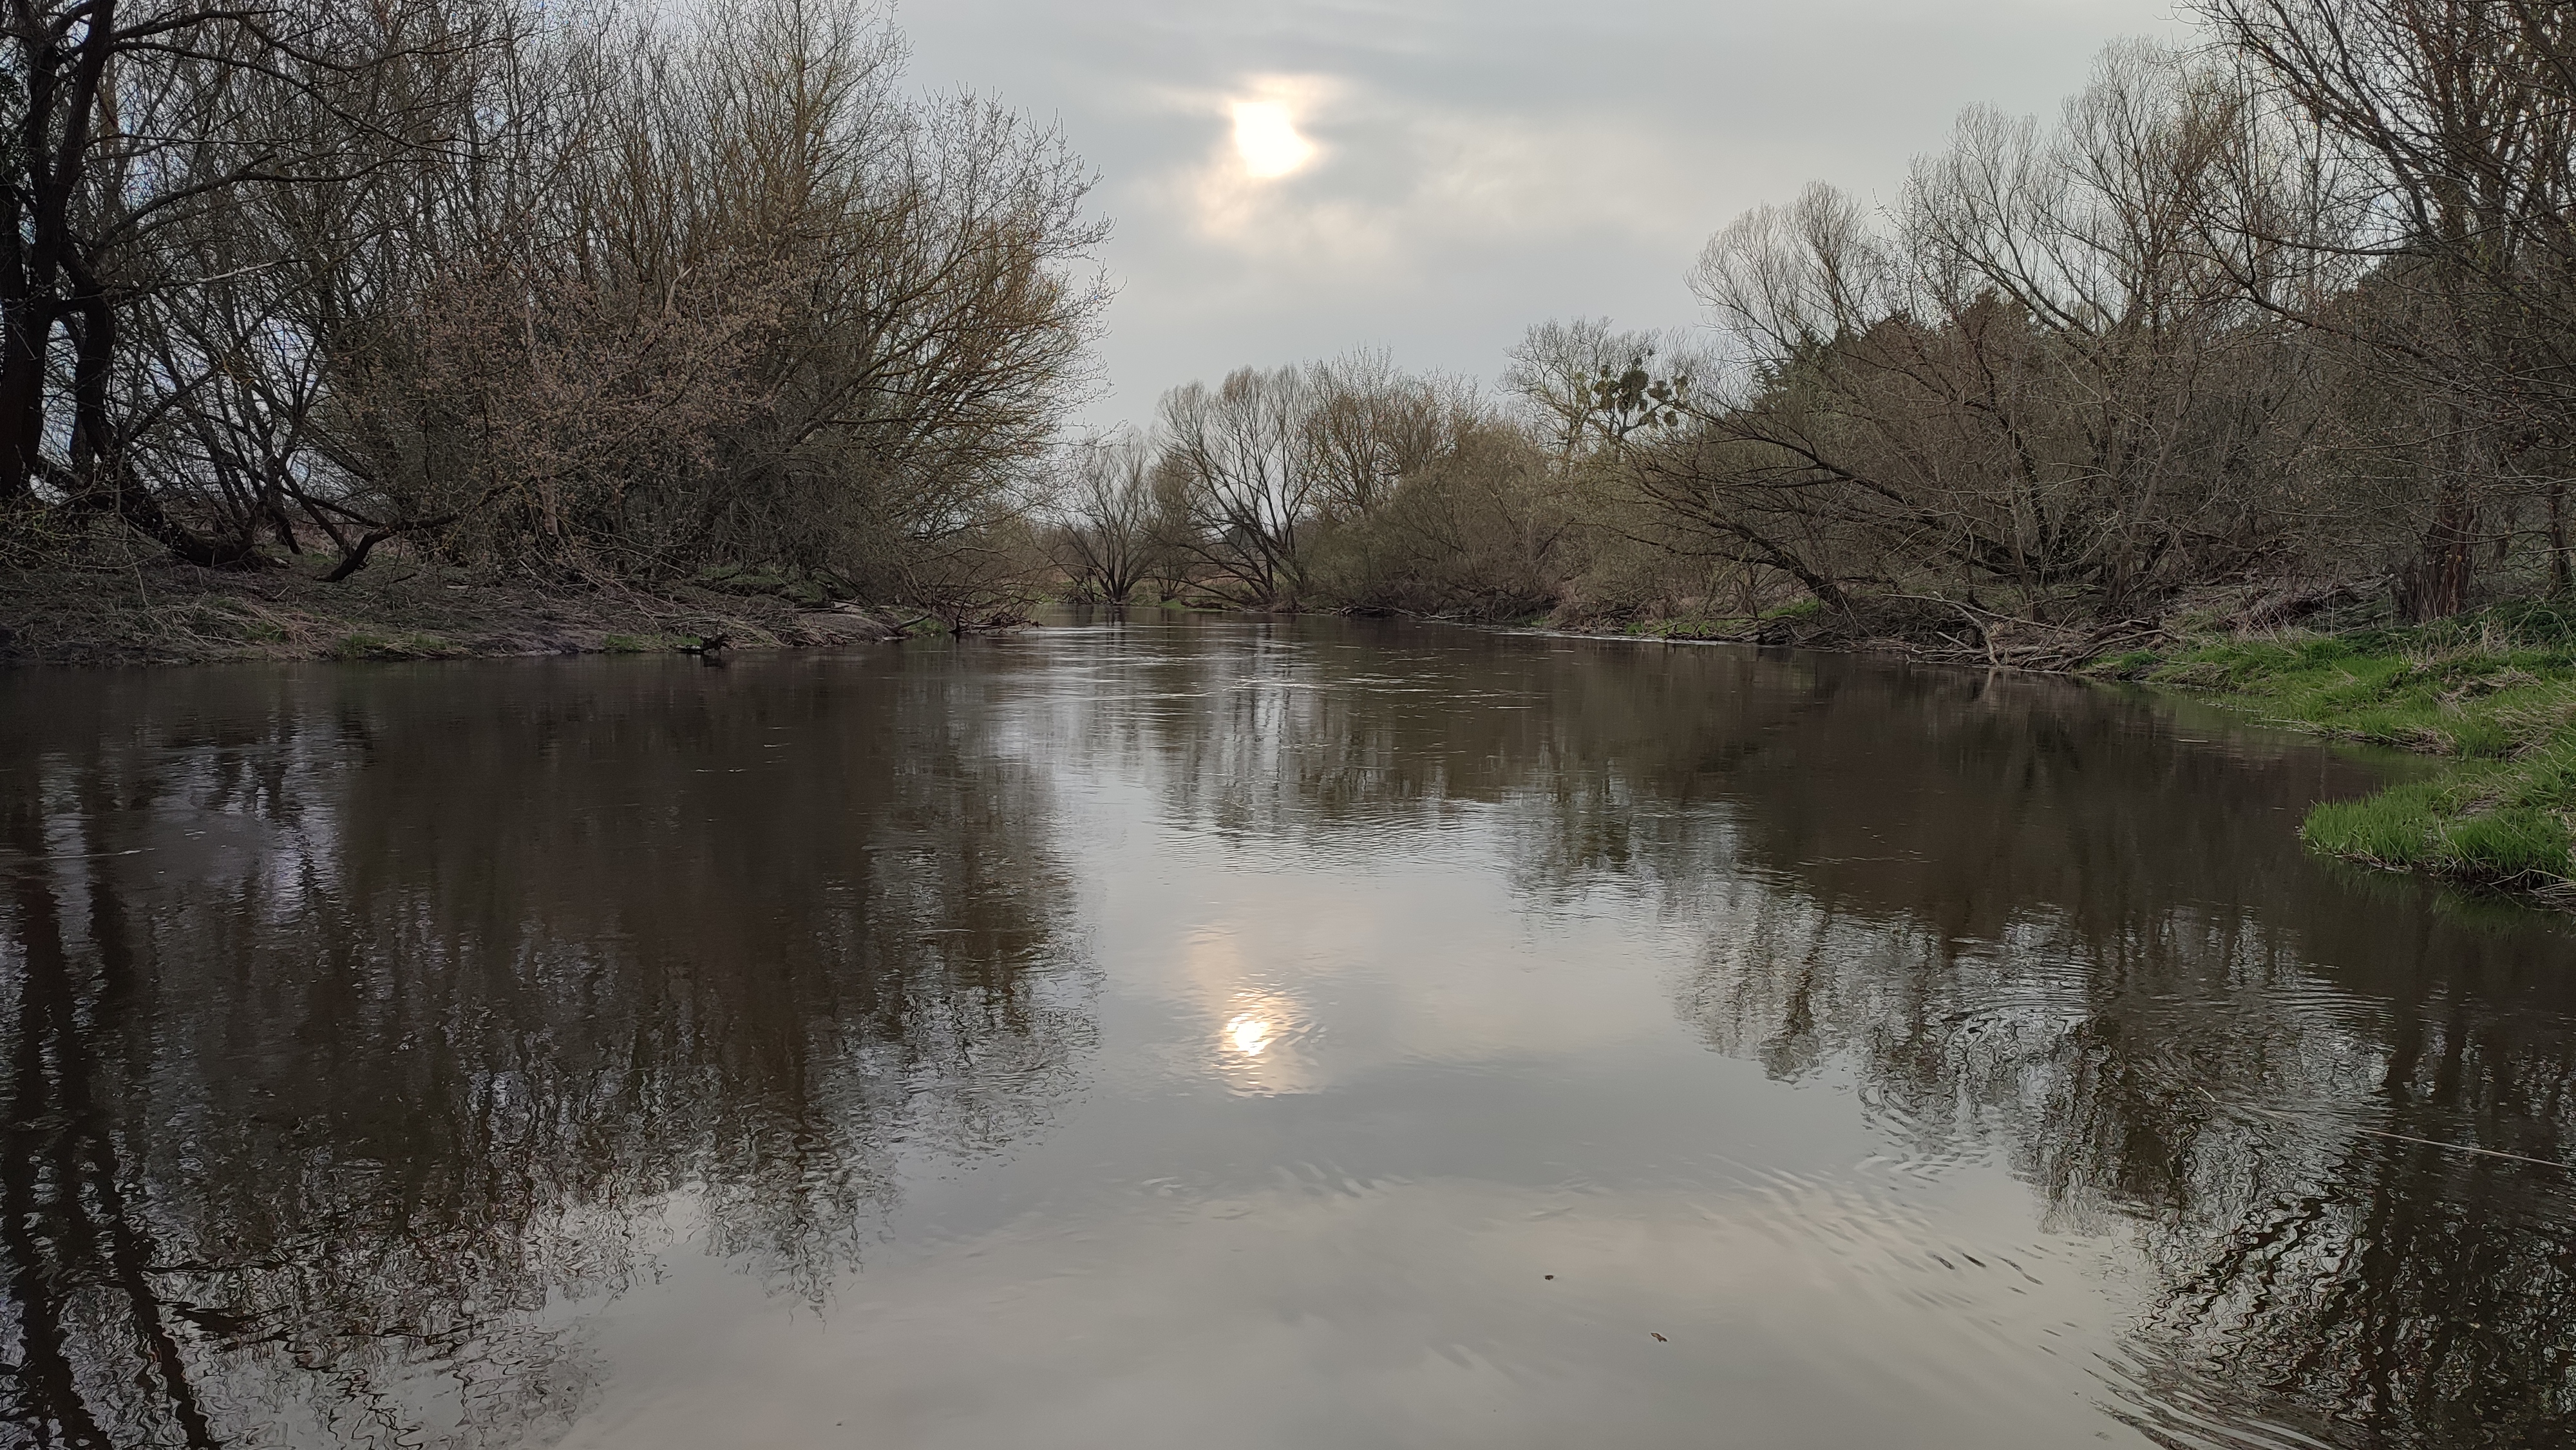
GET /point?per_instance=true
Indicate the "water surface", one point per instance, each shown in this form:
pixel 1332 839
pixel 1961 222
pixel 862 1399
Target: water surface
pixel 1188 1033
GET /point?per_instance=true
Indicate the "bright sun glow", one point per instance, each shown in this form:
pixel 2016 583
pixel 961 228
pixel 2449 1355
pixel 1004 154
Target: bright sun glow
pixel 1249 1034
pixel 1265 136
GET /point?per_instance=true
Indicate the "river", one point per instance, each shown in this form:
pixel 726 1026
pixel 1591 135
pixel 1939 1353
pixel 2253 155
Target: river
pixel 1221 1032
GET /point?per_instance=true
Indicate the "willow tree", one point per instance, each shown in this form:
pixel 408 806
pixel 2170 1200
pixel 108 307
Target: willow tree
pixel 2454 124
pixel 531 286
pixel 136 134
pixel 725 295
pixel 2039 386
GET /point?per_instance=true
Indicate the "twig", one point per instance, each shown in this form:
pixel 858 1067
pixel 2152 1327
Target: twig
pixel 2290 1117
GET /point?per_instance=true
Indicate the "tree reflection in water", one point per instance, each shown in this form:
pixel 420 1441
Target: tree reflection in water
pixel 356 1017
pixel 2257 1080
pixel 361 1021
pixel 2029 918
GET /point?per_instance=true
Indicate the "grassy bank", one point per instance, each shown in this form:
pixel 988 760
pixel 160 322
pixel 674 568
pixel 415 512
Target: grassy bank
pixel 164 613
pixel 2492 695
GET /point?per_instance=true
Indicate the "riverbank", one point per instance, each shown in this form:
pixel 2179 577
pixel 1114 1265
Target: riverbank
pixel 165 613
pixel 2492 695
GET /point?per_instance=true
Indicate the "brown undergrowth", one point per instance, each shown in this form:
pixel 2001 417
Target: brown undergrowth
pixel 168 613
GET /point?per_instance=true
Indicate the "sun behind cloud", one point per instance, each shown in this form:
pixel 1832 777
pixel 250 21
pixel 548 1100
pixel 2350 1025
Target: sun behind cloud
pixel 1266 139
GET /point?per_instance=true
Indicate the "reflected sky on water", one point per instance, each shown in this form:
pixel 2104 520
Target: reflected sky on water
pixel 1183 1032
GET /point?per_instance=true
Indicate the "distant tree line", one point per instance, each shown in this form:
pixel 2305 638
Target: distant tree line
pixel 571 293
pixel 2288 318
pixel 563 290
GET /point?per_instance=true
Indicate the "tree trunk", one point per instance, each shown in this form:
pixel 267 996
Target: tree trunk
pixel 2558 563
pixel 22 391
pixel 2435 583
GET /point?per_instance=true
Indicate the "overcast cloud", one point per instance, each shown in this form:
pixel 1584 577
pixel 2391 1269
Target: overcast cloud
pixel 1289 180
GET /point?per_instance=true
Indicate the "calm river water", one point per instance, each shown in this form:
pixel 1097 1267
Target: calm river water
pixel 1227 1034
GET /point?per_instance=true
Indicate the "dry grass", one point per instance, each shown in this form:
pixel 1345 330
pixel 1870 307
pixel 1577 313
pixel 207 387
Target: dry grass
pixel 161 613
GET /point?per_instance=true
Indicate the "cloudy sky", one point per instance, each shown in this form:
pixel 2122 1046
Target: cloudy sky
pixel 1294 178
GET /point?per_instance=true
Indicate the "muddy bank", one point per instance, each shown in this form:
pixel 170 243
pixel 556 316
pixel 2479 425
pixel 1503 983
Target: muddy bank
pixel 165 613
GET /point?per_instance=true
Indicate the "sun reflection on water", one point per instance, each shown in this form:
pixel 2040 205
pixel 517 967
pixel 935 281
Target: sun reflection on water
pixel 1249 1034
pixel 1253 1031
pixel 1265 1042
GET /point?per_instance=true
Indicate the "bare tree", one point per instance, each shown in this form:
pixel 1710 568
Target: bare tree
pixel 1109 539
pixel 1237 490
pixel 2452 123
pixel 2039 378
pixel 1567 375
pixel 140 128
pixel 544 287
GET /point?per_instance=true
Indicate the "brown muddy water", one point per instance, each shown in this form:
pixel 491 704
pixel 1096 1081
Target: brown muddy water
pixel 1218 1033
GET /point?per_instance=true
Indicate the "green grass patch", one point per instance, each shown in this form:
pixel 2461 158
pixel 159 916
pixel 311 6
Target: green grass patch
pixel 637 644
pixel 2492 693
